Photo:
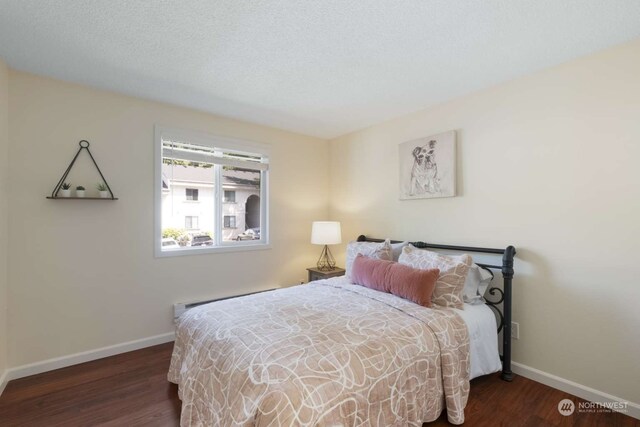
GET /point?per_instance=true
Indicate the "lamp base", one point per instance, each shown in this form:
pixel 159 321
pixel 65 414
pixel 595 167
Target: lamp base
pixel 326 262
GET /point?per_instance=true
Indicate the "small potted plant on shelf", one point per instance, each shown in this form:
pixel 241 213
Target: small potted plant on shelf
pixel 103 190
pixel 80 191
pixel 65 190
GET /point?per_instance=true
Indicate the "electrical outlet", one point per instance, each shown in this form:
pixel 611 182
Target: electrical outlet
pixel 515 330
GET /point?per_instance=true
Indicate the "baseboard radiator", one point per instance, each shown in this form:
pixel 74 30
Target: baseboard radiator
pixel 182 307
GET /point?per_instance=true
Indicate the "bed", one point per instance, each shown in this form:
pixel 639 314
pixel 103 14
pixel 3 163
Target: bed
pixel 333 353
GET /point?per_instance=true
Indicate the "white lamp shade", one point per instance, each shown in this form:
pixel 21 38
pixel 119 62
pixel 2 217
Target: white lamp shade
pixel 326 233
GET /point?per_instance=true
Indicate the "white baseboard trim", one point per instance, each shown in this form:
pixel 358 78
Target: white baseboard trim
pixel 3 381
pixel 583 392
pixel 85 356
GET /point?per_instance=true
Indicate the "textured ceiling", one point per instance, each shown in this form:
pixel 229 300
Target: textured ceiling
pixel 322 68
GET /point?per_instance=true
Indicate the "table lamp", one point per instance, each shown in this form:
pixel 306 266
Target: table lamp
pixel 326 233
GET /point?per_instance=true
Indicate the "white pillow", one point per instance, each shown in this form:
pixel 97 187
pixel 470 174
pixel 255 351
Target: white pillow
pixel 475 286
pixel 368 249
pixel 396 249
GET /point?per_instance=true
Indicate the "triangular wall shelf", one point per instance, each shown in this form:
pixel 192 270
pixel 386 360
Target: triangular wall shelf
pixel 84 145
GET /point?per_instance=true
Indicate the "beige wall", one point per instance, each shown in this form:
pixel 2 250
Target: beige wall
pixel 4 177
pixel 83 274
pixel 548 163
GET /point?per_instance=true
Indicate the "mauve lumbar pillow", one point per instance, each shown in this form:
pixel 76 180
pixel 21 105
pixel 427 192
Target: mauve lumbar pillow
pixel 453 273
pixel 387 276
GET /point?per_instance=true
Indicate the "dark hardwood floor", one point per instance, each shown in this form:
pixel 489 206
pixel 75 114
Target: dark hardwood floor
pixel 131 389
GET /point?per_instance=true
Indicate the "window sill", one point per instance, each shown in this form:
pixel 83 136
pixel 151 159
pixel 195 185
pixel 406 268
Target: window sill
pixel 236 246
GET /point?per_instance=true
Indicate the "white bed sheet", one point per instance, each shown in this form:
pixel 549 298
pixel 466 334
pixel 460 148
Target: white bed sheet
pixel 483 339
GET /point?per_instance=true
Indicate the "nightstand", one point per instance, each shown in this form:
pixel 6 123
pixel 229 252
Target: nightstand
pixel 315 274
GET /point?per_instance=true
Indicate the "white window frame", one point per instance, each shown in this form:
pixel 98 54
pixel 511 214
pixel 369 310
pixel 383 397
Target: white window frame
pixel 223 143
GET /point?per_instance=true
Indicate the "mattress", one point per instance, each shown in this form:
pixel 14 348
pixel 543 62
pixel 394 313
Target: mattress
pixel 483 339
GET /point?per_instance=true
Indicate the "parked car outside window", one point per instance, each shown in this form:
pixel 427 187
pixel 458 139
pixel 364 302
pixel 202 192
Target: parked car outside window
pixel 201 240
pixel 170 243
pixel 250 234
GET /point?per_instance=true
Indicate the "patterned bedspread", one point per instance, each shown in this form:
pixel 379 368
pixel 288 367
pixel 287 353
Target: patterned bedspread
pixel 328 353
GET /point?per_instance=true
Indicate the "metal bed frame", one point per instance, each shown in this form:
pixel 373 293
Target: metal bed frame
pixel 504 294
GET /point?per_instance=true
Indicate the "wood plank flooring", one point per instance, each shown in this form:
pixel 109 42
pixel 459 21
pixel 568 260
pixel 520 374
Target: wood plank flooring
pixel 131 389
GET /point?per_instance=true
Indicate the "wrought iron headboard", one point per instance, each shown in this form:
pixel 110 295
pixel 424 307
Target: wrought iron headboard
pixel 504 294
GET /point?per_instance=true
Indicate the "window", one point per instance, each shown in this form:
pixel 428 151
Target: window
pixel 229 180
pixel 229 221
pixel 191 222
pixel 192 194
pixel 229 196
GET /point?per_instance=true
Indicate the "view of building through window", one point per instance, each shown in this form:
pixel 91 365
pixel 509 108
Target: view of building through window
pixel 229 196
pixel 229 221
pixel 191 222
pixel 192 194
pixel 191 213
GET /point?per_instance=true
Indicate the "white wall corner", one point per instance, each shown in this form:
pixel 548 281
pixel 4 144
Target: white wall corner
pixel 579 390
pixel 3 381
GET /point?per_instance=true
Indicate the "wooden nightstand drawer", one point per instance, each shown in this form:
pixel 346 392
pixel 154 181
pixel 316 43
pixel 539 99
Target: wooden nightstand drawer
pixel 315 274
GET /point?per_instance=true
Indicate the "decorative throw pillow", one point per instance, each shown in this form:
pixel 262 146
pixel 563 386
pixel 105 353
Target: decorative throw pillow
pixel 370 272
pixel 400 280
pixel 486 276
pixel 453 273
pixel 370 249
pixel 396 249
pixel 475 286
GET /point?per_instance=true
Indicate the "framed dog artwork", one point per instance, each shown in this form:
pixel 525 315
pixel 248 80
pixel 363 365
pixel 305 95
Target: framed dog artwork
pixel 428 167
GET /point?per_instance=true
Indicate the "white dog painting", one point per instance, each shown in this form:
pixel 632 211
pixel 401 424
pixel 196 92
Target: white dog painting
pixel 428 167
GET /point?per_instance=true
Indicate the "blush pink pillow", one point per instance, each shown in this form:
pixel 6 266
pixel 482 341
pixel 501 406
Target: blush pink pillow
pixel 397 279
